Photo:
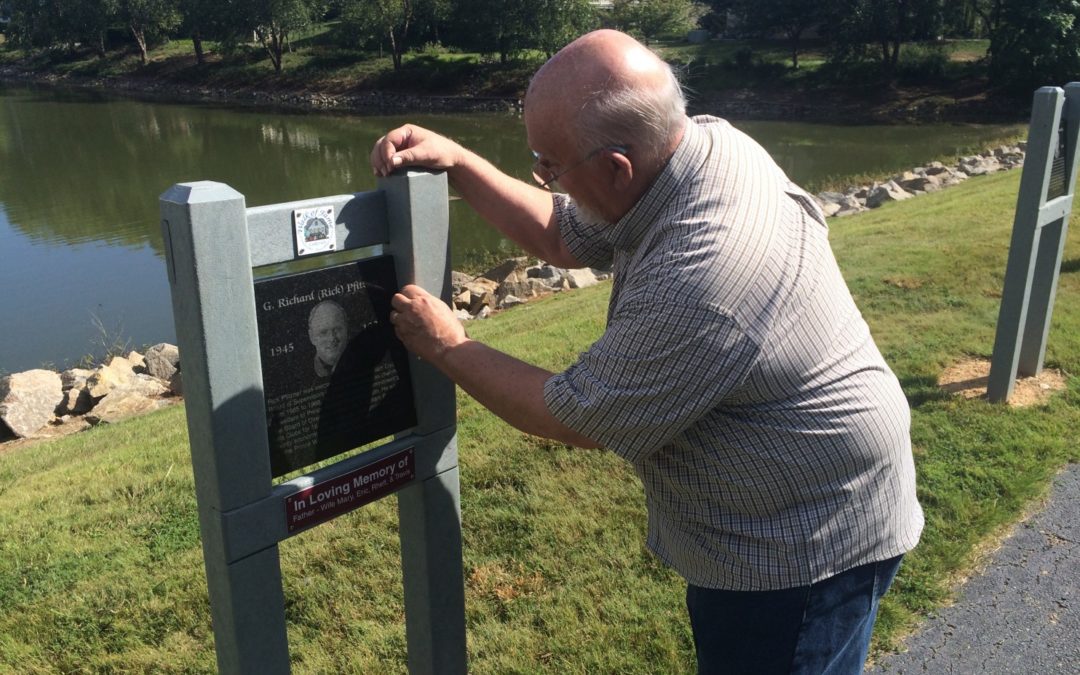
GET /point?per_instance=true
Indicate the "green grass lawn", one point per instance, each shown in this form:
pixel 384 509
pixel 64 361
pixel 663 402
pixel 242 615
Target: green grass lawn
pixel 101 568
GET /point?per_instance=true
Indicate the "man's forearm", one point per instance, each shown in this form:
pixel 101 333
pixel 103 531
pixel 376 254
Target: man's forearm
pixel 522 212
pixel 509 387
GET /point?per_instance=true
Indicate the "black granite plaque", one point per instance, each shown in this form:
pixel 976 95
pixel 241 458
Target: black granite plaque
pixel 334 374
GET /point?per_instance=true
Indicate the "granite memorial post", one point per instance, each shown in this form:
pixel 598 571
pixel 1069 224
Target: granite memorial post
pixel 1043 207
pixel 299 368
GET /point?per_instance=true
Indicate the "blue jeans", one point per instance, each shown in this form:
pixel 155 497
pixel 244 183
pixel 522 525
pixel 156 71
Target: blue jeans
pixel 823 628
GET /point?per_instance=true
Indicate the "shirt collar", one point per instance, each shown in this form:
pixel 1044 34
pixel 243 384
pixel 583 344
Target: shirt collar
pixel 694 147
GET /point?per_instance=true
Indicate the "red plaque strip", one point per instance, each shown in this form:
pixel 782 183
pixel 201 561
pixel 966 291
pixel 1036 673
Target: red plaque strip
pixel 341 494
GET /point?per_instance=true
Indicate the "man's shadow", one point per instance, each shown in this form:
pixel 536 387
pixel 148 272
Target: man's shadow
pixel 370 394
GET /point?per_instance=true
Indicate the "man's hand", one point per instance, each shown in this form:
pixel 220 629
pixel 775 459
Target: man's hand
pixel 413 146
pixel 425 324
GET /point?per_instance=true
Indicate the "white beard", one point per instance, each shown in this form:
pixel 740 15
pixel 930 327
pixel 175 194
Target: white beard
pixel 587 215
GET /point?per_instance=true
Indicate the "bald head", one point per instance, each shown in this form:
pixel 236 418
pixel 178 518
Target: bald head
pixel 609 89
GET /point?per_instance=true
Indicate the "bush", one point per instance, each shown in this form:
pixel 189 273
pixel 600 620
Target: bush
pixel 922 63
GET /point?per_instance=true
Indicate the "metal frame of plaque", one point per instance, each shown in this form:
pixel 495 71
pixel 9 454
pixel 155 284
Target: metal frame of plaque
pixel 1038 239
pixel 235 383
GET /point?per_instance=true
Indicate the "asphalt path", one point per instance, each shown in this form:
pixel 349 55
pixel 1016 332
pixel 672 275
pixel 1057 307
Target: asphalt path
pixel 1022 615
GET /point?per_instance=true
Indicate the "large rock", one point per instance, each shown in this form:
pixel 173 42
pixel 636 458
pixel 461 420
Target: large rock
pixel 925 183
pixel 545 271
pixel 582 278
pixel 116 374
pixel 137 360
pixel 529 287
pixel 76 401
pixel 483 293
pixel 176 384
pixel 507 268
pixel 162 360
pixel 74 378
pixel 979 166
pixel 458 280
pixel 886 192
pixel 146 385
pixel 121 404
pixel 28 400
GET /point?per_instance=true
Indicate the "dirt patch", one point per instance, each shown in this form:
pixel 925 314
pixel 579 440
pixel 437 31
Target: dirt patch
pixel 969 378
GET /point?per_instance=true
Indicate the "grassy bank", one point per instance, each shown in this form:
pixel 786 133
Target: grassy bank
pixel 101 570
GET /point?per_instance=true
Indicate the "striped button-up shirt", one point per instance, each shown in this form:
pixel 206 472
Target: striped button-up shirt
pixel 738 377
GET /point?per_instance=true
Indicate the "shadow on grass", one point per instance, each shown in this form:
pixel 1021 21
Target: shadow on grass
pixel 1070 266
pixel 922 389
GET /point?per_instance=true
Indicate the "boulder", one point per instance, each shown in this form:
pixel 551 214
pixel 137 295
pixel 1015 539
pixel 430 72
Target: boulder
pixel 523 288
pixel 886 192
pixel 137 360
pixel 462 314
pixel 510 301
pixel 979 166
pixel 483 293
pixel 162 360
pixel 146 385
pixel 502 271
pixel 76 401
pixel 830 209
pixel 28 400
pixel 582 278
pixel 545 271
pixel 176 384
pixel 458 280
pixel 462 300
pixel 74 378
pixel 480 285
pixel 925 183
pixel 116 374
pixel 121 404
pixel 828 197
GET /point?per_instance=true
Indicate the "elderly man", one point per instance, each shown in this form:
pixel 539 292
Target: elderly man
pixel 735 374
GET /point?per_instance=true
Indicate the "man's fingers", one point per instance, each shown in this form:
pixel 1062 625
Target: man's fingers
pixel 383 159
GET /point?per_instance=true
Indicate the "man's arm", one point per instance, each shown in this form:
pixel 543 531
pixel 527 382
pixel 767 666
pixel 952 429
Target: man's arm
pixel 508 387
pixel 523 213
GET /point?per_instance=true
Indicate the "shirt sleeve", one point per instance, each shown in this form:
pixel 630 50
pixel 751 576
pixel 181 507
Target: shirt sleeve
pixel 651 375
pixel 586 242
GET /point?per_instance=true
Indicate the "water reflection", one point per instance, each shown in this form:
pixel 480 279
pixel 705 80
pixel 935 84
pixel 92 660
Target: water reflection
pixel 80 176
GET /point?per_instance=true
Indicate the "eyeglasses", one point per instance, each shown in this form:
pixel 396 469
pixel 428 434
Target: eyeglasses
pixel 544 177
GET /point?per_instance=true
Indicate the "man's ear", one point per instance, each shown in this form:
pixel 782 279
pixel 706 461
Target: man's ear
pixel 622 169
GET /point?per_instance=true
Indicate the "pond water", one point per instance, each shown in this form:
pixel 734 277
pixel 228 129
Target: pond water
pixel 81 257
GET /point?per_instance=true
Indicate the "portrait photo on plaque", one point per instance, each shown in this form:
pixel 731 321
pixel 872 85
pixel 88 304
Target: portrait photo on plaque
pixel 335 376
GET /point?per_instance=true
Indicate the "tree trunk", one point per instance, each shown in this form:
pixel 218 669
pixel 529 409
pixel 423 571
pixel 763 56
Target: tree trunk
pixel 101 44
pixel 196 41
pixel 140 40
pixel 273 41
pixel 395 49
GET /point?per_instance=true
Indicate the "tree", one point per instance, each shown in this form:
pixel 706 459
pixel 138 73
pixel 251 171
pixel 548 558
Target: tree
pixel 273 22
pixel 789 18
pixel 384 19
pixel 500 27
pixel 148 20
pixel 1032 42
pixel 202 19
pixel 650 18
pixel 883 24
pixel 559 22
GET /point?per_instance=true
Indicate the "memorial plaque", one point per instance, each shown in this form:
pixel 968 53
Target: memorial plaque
pixel 335 376
pixel 343 493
